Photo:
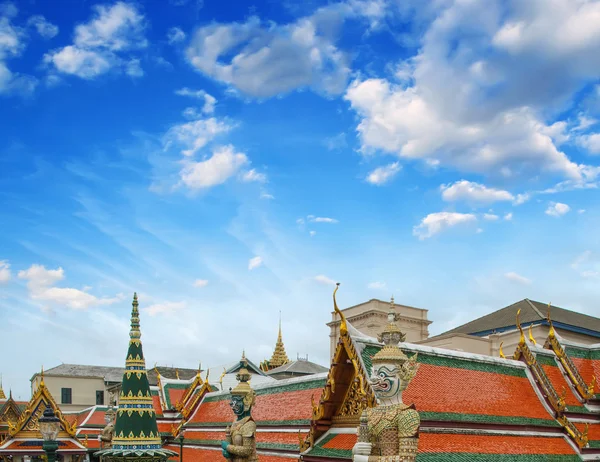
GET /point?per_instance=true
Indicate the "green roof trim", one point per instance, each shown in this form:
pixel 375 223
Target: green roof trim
pixel 444 361
pixel 583 353
pixel 287 388
pixel 483 418
pixel 320 451
pixel 470 457
pixel 546 360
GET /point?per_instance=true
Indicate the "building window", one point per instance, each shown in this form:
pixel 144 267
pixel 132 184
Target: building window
pixel 65 394
pixel 100 397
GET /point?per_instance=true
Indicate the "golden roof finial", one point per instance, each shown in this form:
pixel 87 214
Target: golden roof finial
pixel 531 338
pixel 279 357
pixel 343 324
pixel 135 333
pixel 2 395
pixel 502 352
pixel 157 371
pixel 522 339
pixel 551 332
pixel 177 373
pixel 207 372
pixel 199 368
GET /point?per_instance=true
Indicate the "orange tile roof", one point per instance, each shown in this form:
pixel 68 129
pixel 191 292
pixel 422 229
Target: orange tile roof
pixel 557 379
pixel 593 430
pixel 166 427
pixel 445 389
pixel 286 406
pixel 345 441
pixel 175 395
pixel 208 455
pixel 588 368
pixel 493 444
pixel 290 438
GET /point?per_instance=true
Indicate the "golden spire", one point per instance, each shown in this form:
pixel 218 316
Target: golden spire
pixel 279 357
pixel 522 339
pixel 134 333
pixel 2 395
pixel 343 324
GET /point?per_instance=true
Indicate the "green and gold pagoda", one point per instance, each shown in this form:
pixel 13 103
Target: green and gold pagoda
pixel 136 435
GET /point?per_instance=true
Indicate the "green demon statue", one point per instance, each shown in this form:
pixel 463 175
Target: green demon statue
pixel 389 431
pixel 240 442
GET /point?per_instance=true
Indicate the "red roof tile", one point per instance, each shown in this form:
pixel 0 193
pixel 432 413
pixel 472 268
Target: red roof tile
pixel 175 395
pixel 344 441
pixel 587 369
pixel 557 379
pixel 293 405
pixel 452 390
pixel 207 455
pixel 493 444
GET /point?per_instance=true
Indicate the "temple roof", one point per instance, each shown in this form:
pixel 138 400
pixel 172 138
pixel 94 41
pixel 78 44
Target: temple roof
pixel 531 312
pixel 300 367
pixel 115 374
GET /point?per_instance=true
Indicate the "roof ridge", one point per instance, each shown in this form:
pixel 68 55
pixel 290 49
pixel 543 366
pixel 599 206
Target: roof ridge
pixel 535 309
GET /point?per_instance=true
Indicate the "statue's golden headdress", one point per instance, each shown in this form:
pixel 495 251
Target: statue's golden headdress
pixel 391 337
pixel 243 388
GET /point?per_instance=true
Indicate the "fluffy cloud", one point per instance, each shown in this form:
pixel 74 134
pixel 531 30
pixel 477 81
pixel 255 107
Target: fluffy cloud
pixel 514 277
pixel 254 176
pixel 469 98
pixel 200 283
pixel 490 217
pixel 43 27
pixel 196 134
pixel 209 101
pixel 12 44
pixel 266 59
pixel 557 209
pixel 435 223
pixel 469 191
pixel 41 284
pixel 5 274
pixel 591 142
pixel 255 262
pixel 508 216
pixel 103 43
pixel 224 163
pixel 382 175
pixel 175 35
pixel 313 219
pixel 165 308
pixel 322 279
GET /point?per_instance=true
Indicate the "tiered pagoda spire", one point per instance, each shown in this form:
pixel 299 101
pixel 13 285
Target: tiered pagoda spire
pixel 279 357
pixel 2 395
pixel 136 433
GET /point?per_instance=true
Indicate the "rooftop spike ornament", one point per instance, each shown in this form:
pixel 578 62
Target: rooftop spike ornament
pixel 135 435
pixel 2 395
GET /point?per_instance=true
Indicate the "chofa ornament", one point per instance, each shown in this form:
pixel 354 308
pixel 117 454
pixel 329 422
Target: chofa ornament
pixel 389 431
pixel 240 441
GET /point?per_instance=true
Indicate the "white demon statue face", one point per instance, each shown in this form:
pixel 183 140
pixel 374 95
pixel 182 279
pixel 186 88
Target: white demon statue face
pixel 386 381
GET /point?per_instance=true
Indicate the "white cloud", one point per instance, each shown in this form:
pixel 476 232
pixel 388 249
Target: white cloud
pixel 514 277
pixel 5 273
pixel 469 191
pixel 322 279
pixel 255 262
pixel 508 216
pixel 376 285
pixel 312 233
pixel 587 265
pixel 209 100
pixel 175 35
pixel 336 142
pixel 133 68
pixel 12 44
pixel 313 219
pixel 591 142
pixel 490 217
pixel 580 211
pixel 382 175
pixel 166 308
pixel 196 134
pixel 468 101
pixel 522 198
pixel 217 169
pixel 267 196
pixel 41 284
pixel 200 283
pixel 435 223
pixel 254 176
pixel 43 27
pixel 557 209
pixel 103 43
pixel 266 59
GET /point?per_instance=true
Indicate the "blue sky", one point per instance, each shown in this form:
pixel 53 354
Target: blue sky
pixel 230 163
